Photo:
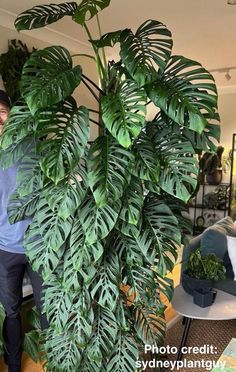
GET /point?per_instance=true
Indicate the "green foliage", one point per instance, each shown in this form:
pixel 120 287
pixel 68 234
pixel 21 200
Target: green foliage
pixel 107 217
pixel 48 77
pixel 43 15
pixel 88 9
pixel 205 267
pixel 11 64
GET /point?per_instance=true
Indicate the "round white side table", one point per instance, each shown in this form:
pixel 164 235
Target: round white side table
pixel 223 308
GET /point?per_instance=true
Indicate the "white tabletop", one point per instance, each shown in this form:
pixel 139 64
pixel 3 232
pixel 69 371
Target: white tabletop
pixel 223 308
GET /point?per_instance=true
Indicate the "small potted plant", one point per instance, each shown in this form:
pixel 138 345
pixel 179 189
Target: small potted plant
pixel 201 272
pixel 210 165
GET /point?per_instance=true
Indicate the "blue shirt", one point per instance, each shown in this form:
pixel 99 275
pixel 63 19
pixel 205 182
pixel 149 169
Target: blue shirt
pixel 11 236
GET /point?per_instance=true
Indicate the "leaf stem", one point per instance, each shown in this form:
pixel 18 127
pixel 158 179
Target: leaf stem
pixel 96 122
pixel 95 111
pixel 100 34
pixel 92 83
pixel 100 66
pixel 83 55
pixel 90 89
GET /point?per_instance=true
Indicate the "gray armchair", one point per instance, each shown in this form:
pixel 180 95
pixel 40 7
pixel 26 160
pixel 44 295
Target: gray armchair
pixel 213 240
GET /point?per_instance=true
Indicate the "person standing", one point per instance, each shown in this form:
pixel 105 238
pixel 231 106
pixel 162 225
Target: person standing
pixel 13 262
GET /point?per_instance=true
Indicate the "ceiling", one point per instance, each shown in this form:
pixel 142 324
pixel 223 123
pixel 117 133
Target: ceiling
pixel 204 30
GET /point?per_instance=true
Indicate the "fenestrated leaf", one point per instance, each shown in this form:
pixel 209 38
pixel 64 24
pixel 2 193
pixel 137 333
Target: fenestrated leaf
pixel 82 253
pixel 98 222
pixel 142 282
pixel 15 152
pixel 81 318
pixel 180 211
pixel 87 9
pixel 146 50
pixel 132 202
pixel 109 167
pixel 165 286
pixel 147 165
pixel 125 354
pixel 159 236
pixel 205 141
pixel 179 167
pixel 66 348
pixel 20 124
pixel 185 88
pixel 58 316
pixel 67 128
pixel 150 326
pixel 29 175
pixel 107 40
pixel 53 229
pixel 124 111
pixel 68 194
pixel 105 286
pixel 104 337
pixel 22 208
pixel 48 77
pixel 42 15
pixel 42 258
pixel 32 345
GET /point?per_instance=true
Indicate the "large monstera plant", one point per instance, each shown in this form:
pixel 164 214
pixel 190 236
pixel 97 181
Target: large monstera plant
pixel 106 217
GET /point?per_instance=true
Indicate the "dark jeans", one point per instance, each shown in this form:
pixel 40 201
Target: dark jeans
pixel 12 269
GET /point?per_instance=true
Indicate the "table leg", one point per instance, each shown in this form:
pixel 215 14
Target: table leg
pixel 187 324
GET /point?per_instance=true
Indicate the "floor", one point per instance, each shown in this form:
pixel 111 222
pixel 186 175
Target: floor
pixel 29 366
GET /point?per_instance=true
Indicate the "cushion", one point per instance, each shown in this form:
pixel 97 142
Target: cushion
pixel 214 238
pixel 228 224
pixel 231 242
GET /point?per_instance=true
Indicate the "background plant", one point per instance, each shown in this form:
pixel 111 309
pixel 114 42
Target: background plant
pixel 107 217
pixel 205 267
pixel 11 64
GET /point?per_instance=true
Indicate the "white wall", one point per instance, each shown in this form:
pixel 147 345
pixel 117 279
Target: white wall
pixel 227 111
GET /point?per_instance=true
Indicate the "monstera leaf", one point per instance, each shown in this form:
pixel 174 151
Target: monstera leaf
pixel 108 169
pixel 147 165
pixel 58 342
pixel 105 287
pixel 98 222
pixel 179 165
pixel 185 88
pixel 146 50
pixel 43 15
pixel 123 112
pixel 19 125
pixel 149 326
pixel 67 128
pixel 108 40
pixel 125 354
pixel 204 141
pixel 42 258
pixel 160 233
pixel 48 77
pixel 82 253
pixel 31 345
pixel 22 208
pixel 53 229
pixel 87 9
pixel 132 202
pixel 29 175
pixel 67 195
pixel 15 153
pixel 104 337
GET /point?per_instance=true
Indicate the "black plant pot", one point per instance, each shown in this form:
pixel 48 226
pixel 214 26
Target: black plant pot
pixel 214 178
pixel 203 298
pixel 190 284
